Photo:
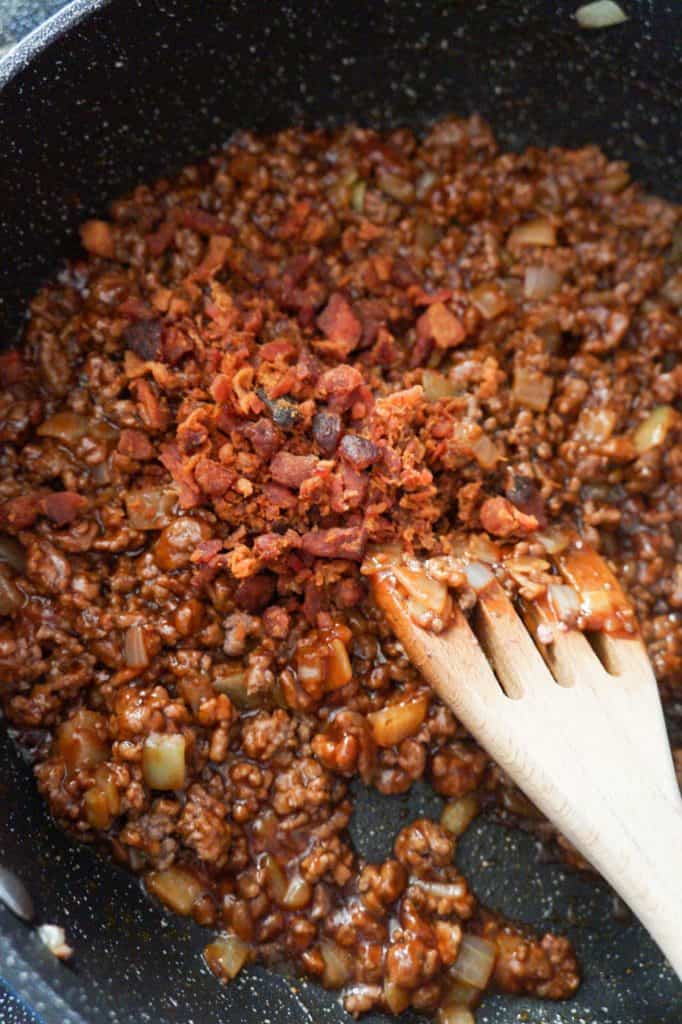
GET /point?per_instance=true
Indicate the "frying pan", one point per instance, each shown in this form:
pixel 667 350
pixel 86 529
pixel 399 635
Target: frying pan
pixel 113 92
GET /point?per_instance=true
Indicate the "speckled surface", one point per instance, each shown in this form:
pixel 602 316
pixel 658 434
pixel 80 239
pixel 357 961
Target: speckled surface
pixel 138 89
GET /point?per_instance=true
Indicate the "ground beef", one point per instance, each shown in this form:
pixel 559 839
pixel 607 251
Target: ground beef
pixel 304 346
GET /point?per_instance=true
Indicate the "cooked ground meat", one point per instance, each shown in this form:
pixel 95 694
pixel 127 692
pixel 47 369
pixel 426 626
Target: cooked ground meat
pixel 304 346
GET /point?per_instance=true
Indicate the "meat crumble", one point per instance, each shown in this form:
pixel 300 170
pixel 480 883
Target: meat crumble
pixel 304 348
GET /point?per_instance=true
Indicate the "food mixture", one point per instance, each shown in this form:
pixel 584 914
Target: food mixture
pixel 308 348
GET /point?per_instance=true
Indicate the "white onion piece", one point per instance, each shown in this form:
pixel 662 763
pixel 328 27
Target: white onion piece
pixel 564 600
pixel 553 541
pixel 177 887
pixel 458 814
pixel 163 761
pixel 226 956
pixel 653 431
pixel 539 231
pixel 12 552
pixel 455 1015
pixel 475 961
pixel 540 282
pixel 337 968
pixel 397 998
pixel 478 576
pixel 600 14
pixel 54 938
pixel 134 648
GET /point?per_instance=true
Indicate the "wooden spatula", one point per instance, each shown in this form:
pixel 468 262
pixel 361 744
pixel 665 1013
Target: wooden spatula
pixel 581 733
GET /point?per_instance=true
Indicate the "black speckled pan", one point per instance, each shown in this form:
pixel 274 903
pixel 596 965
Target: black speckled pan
pixel 115 92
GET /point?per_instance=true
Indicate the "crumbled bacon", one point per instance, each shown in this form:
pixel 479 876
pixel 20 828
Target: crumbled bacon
pixel 501 518
pixel 291 470
pixel 63 507
pixel 338 542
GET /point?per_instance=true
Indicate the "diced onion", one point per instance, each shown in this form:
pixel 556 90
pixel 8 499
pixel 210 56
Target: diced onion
pixel 600 14
pixel 485 452
pixel 150 507
pixel 298 894
pixel 541 282
pixel 453 1014
pixel 475 961
pixel 12 553
pixel 177 887
pixel 395 722
pixel 436 386
pixel 54 937
pixel 478 575
pixel 653 431
pixel 459 994
pixel 397 998
pixel 226 956
pixel 134 648
pixel 231 680
pixel 458 814
pixel 595 425
pixel 339 670
pixel 11 598
pixel 539 231
pixel 357 200
pixel 532 389
pixel 564 600
pixel 428 592
pixel 489 299
pixel 276 879
pixel 337 967
pixel 163 761
pixel 395 187
pixel 553 541
pixel 66 426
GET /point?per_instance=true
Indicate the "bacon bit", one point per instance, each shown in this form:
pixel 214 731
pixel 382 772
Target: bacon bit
pixel 340 325
pixel 337 542
pixel 278 496
pixel 292 470
pixel 264 436
pixel 151 411
pixel 205 223
pixel 327 431
pixel 340 386
pixel 271 546
pixel 176 344
pixel 12 367
pixel 98 238
pixel 206 550
pixel 188 492
pixel 254 593
pixel 349 489
pixel 276 351
pixel 501 518
pixel 295 219
pixel 213 478
pixel 359 451
pixel 221 388
pixel 441 326
pixel 216 254
pixel 21 513
pixel 276 622
pixel 159 240
pixel 63 507
pixel 135 444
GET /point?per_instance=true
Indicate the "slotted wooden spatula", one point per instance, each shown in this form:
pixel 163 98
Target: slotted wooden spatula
pixel 581 733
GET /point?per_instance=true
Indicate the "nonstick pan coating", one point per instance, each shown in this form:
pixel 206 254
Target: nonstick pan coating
pixel 112 93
